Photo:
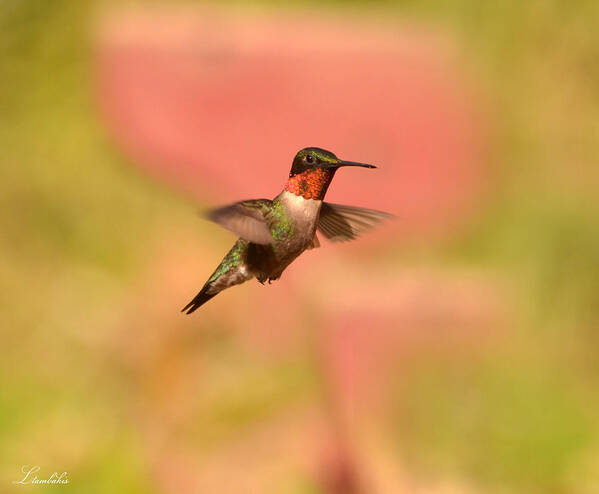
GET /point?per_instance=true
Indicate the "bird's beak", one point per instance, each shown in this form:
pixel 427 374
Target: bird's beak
pixel 351 163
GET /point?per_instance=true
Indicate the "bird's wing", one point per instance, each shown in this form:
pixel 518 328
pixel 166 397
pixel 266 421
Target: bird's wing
pixel 245 219
pixel 340 223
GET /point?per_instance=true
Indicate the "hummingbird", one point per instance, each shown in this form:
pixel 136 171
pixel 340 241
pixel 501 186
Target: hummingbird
pixel 273 233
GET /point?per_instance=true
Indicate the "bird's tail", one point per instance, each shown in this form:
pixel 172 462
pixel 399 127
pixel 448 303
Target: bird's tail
pixel 200 299
pixel 233 270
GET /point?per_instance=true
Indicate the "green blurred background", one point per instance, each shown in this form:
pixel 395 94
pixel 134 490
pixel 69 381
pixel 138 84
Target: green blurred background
pixel 82 231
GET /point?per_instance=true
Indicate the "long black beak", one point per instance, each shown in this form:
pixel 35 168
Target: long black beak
pixel 351 163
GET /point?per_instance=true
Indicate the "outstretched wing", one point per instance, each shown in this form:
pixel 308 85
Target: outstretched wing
pixel 340 223
pixel 245 219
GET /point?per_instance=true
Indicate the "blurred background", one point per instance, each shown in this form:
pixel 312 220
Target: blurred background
pixel 452 351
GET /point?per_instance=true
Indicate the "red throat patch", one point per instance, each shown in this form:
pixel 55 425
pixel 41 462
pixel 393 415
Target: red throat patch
pixel 311 184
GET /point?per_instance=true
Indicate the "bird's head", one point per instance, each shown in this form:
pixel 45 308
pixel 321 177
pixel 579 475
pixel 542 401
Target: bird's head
pixel 310 158
pixel 312 171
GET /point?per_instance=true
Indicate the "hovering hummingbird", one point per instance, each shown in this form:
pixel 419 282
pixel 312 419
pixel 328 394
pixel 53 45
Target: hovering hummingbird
pixel 272 233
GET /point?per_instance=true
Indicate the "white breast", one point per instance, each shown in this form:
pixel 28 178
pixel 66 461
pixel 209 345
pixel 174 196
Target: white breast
pixel 304 210
pixel 305 214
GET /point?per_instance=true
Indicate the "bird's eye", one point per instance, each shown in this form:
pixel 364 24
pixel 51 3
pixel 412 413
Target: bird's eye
pixel 309 159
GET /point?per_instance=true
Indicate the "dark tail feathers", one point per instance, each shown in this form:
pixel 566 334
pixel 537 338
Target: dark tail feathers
pixel 200 299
